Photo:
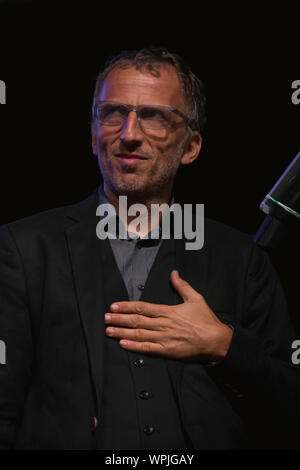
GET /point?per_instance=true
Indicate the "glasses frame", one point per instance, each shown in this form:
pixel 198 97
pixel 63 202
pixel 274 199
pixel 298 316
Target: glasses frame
pixel 136 109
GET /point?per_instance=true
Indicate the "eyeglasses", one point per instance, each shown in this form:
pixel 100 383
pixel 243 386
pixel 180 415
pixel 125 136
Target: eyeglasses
pixel 155 117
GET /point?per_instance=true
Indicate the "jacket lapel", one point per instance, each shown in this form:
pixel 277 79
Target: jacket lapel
pixel 193 268
pixel 87 274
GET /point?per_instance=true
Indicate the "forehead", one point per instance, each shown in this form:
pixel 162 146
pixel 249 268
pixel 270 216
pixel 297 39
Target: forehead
pixel 132 86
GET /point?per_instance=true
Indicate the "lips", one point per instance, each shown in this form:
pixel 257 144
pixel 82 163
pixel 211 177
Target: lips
pixel 131 156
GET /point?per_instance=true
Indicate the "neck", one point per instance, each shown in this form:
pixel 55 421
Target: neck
pixel 147 200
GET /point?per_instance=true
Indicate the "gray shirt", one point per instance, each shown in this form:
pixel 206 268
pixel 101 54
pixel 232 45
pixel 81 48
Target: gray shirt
pixel 134 257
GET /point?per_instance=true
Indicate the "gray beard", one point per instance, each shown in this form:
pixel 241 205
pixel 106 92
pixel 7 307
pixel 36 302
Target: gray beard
pixel 134 189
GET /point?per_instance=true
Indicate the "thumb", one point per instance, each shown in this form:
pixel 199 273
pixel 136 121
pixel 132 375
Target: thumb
pixel 184 289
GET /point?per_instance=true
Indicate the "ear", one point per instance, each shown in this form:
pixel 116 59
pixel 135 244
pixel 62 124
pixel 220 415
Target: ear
pixel 94 145
pixel 192 149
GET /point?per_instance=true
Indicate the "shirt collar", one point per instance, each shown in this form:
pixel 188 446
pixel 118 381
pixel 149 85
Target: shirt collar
pixel 148 241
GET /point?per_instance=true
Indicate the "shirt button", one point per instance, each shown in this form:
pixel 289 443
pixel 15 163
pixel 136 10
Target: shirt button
pixel 144 395
pixel 141 287
pixel 149 430
pixel 139 362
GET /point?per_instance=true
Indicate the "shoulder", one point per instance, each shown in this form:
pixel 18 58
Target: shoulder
pixel 53 220
pixel 231 245
pixel 222 234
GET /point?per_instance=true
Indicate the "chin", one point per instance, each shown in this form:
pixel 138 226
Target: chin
pixel 131 188
pixel 129 183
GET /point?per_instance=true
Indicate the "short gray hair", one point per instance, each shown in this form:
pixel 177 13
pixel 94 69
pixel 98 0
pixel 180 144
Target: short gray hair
pixel 150 59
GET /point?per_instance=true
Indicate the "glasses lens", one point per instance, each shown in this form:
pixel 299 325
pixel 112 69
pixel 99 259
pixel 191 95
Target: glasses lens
pixel 150 117
pixel 155 117
pixel 110 114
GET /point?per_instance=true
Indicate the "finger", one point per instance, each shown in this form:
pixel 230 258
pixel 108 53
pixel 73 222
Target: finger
pixel 140 308
pixel 142 348
pixel 184 289
pixel 133 334
pixel 133 321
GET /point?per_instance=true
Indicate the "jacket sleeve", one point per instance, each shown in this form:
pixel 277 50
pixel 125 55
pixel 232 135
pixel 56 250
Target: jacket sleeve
pixel 15 334
pixel 258 367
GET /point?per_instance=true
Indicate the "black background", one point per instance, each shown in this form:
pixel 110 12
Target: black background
pixel 50 58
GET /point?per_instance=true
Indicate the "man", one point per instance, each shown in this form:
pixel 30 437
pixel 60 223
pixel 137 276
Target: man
pixel 137 343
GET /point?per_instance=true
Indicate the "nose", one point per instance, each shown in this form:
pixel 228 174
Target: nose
pixel 132 133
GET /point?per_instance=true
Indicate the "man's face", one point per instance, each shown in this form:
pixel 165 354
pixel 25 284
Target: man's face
pixel 161 152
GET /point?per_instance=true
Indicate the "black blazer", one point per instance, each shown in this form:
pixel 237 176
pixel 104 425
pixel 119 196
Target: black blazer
pixel 51 319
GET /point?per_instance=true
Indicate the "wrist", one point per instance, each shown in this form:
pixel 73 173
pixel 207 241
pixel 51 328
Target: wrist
pixel 222 342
